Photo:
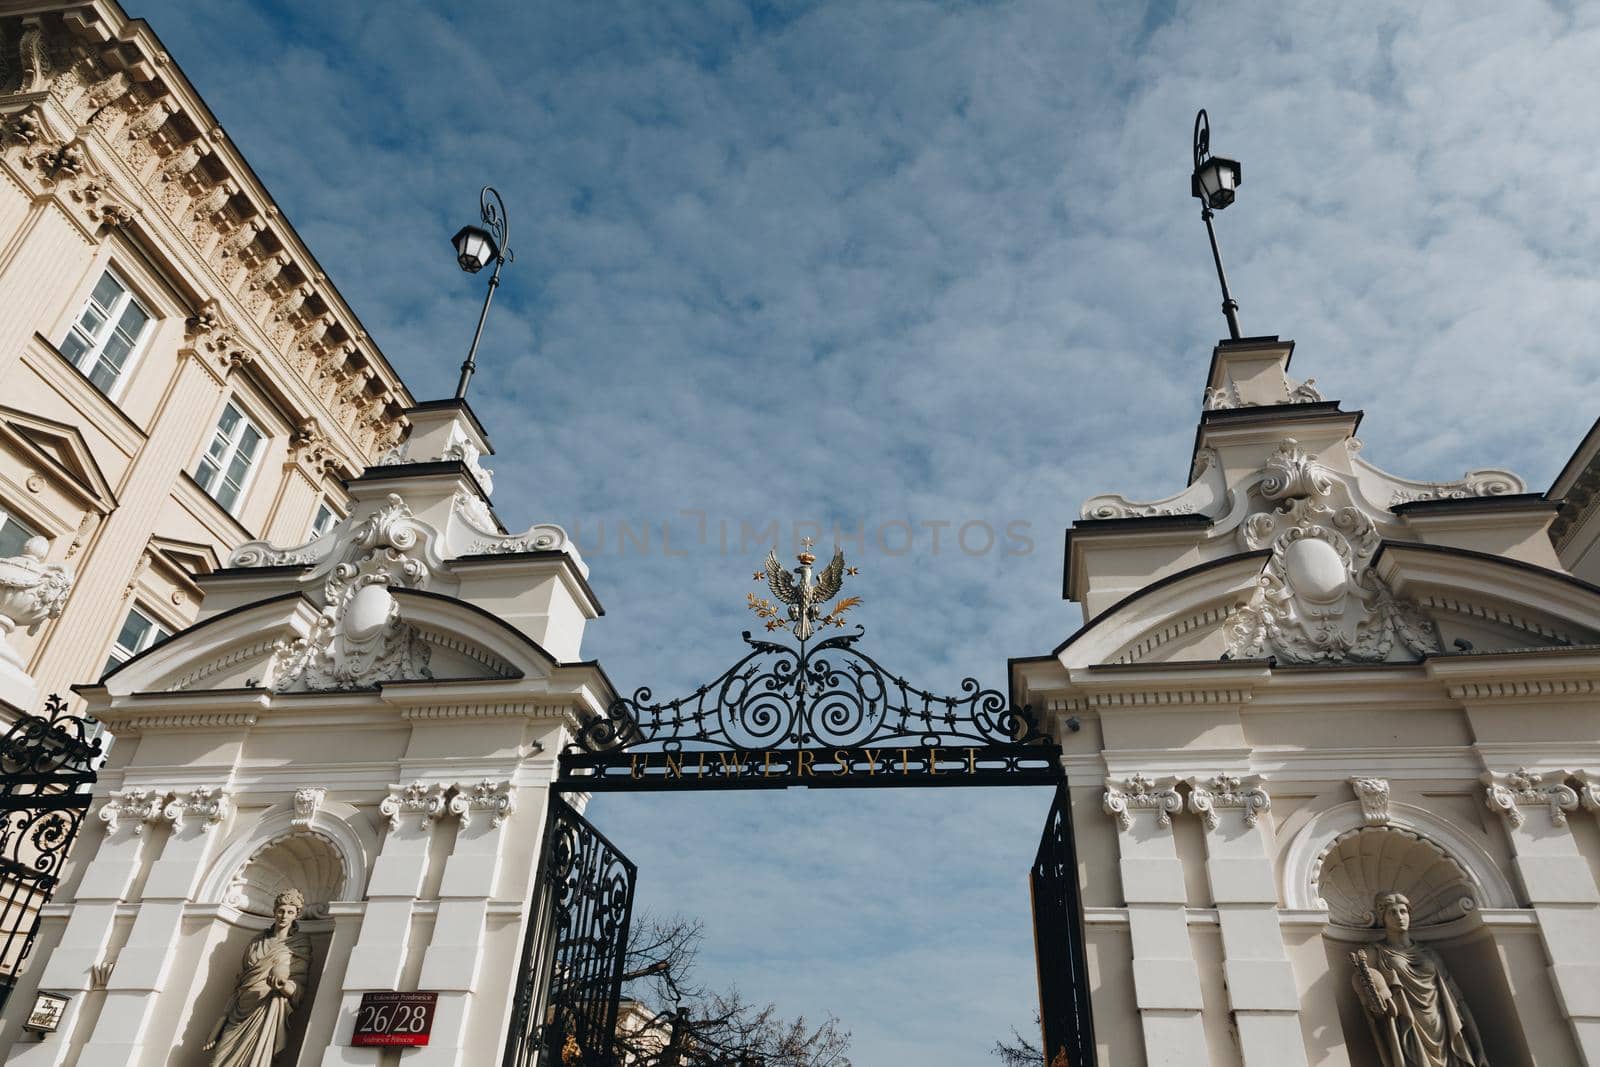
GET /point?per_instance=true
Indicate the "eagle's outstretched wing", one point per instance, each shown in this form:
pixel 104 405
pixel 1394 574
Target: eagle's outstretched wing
pixel 779 580
pixel 829 581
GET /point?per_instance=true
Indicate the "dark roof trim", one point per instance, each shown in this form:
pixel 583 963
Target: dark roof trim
pixel 442 468
pixel 1504 502
pixel 1572 469
pixel 542 555
pixel 1162 583
pixel 454 404
pixel 1274 412
pixel 1484 557
pixel 1094 527
pixel 281 570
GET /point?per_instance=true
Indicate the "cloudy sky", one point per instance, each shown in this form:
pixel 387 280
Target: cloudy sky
pixel 891 265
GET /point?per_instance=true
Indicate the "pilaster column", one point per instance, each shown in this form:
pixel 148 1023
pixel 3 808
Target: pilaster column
pixel 1260 981
pixel 110 874
pixel 1560 887
pixel 380 950
pixel 1166 984
pixel 456 951
pixel 145 962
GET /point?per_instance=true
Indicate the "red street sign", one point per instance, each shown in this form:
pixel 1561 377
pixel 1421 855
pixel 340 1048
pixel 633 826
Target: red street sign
pixel 388 1019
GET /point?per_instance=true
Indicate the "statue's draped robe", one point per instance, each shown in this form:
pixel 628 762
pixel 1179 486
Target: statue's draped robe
pixel 1433 1027
pixel 256 1025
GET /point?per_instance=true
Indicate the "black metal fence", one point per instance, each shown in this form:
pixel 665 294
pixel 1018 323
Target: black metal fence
pixel 576 946
pixel 1064 1012
pixel 47 766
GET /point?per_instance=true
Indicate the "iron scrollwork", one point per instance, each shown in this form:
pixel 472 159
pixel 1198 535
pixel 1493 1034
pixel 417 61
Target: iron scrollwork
pixel 818 714
pixel 578 951
pixel 47 765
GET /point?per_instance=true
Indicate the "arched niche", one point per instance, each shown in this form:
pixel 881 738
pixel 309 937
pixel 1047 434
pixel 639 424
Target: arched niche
pixel 1445 895
pixel 1303 858
pixel 326 855
pixel 346 832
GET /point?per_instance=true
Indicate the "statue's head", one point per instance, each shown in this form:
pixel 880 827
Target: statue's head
pixel 1393 911
pixel 289 905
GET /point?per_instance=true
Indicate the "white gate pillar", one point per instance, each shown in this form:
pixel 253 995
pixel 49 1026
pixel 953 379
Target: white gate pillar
pixel 1166 984
pixel 396 883
pixel 70 967
pixel 145 962
pixel 1260 981
pixel 456 951
pixel 1561 890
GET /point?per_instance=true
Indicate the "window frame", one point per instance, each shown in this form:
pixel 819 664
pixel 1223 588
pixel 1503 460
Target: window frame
pixel 147 641
pixel 9 515
pixel 89 359
pixel 246 421
pixel 334 518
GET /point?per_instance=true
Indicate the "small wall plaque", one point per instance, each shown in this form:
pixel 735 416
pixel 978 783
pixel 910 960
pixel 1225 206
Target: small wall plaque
pixel 47 1011
pixel 394 1019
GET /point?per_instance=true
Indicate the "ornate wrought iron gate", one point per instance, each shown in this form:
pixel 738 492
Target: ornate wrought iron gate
pixel 46 769
pixel 1064 1015
pixel 575 949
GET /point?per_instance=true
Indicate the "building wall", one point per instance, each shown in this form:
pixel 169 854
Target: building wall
pixel 110 160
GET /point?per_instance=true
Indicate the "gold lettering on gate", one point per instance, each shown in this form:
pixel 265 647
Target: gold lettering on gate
pixel 802 764
pixel 737 762
pixel 842 758
pixel 674 770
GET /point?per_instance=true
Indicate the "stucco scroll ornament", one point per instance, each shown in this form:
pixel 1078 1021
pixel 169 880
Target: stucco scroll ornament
pixel 417 798
pixel 540 537
pixel 31 593
pixel 487 795
pixel 1507 793
pixel 139 804
pixel 1140 793
pixel 359 638
pixel 1416 1013
pixel 1588 790
pixel 1318 599
pixel 1247 792
pixel 1373 794
pixel 205 802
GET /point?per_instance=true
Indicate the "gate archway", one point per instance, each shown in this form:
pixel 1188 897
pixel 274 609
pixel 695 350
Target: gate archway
pixel 813 714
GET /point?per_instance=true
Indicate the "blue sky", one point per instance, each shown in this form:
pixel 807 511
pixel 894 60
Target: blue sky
pixel 882 263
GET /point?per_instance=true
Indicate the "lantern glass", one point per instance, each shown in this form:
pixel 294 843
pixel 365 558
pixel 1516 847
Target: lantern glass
pixel 1216 181
pixel 475 248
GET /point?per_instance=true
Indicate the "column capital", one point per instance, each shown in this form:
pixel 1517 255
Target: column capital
pixel 208 802
pixel 1246 792
pixel 1507 793
pixel 418 798
pixel 1140 793
pixel 485 795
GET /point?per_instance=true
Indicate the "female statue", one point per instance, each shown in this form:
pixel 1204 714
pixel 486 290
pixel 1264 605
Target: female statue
pixel 271 983
pixel 1417 1014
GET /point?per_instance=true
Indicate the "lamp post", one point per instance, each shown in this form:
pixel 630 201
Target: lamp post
pixel 1213 184
pixel 475 247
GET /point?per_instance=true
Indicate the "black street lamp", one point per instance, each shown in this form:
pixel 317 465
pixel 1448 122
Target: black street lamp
pixel 1213 184
pixel 475 247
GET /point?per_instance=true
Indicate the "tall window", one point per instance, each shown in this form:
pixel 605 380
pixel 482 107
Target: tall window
pixel 138 633
pixel 225 468
pixel 105 337
pixel 324 521
pixel 13 535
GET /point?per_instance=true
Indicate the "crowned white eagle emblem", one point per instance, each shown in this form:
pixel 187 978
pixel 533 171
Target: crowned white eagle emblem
pixel 806 597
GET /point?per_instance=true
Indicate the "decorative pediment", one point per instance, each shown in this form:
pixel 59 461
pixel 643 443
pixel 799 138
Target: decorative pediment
pixel 63 451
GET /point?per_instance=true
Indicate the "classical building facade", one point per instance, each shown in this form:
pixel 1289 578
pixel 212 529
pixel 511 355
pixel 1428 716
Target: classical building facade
pixel 180 376
pixel 1304 685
